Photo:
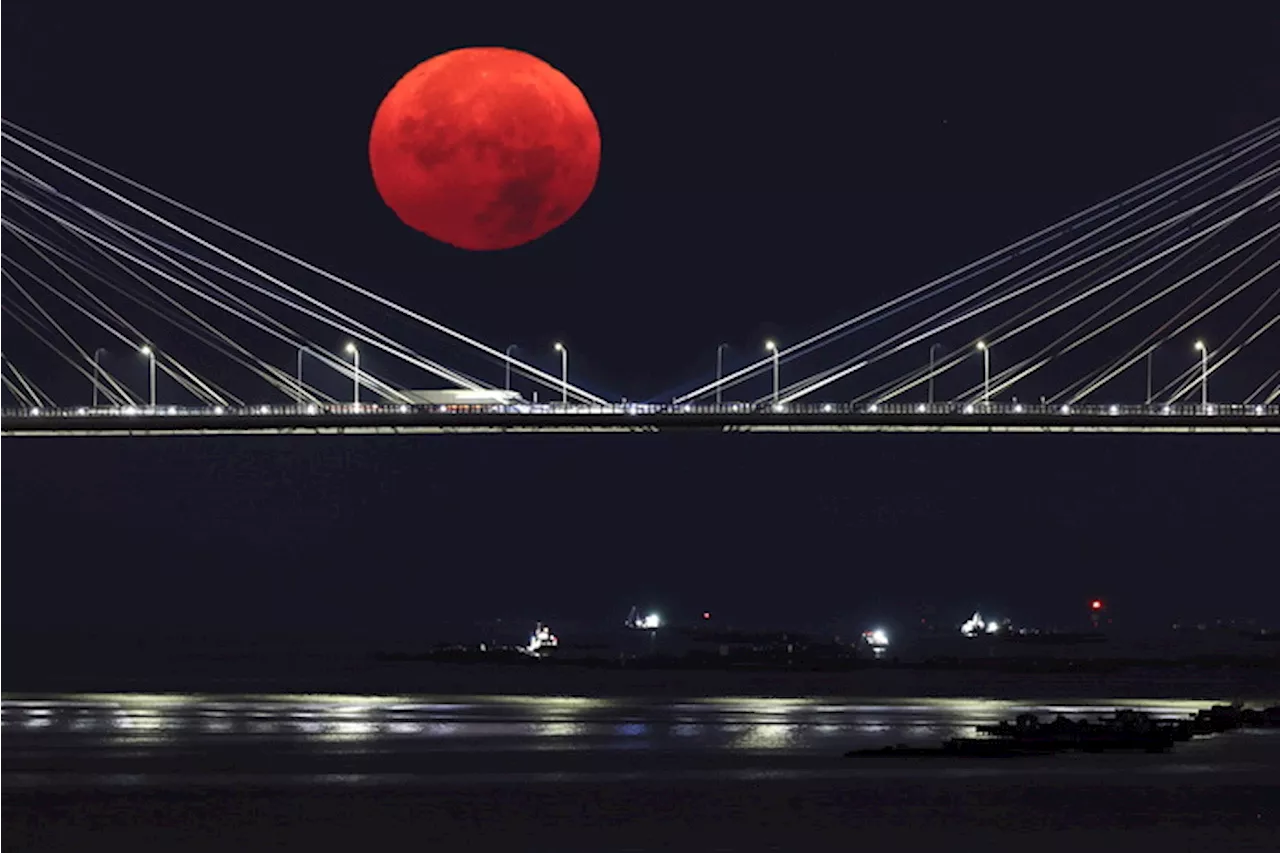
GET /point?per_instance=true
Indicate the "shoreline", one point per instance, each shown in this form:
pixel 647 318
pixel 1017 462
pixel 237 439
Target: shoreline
pixel 1225 684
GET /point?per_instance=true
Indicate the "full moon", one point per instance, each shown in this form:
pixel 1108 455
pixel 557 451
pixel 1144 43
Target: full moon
pixel 484 148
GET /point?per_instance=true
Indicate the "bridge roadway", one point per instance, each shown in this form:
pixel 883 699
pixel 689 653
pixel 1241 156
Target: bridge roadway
pixel 370 419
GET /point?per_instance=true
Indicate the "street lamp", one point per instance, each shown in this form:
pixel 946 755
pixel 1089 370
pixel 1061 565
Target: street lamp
pixel 564 372
pixel 1204 374
pixel 1150 353
pixel 932 348
pixel 301 350
pixel 986 373
pixel 719 369
pixel 770 346
pixel 151 354
pixel 355 355
pixel 507 352
pixel 97 374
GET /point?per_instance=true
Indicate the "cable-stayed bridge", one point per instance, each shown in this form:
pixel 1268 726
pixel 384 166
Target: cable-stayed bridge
pixel 1051 333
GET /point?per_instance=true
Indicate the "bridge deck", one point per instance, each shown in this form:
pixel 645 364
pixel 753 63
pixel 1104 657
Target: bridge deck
pixel 404 420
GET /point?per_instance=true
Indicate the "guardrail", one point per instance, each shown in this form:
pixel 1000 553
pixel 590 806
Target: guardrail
pixel 650 409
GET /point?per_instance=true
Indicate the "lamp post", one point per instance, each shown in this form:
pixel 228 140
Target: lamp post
pixel 97 374
pixel 1151 352
pixel 564 372
pixel 507 352
pixel 719 369
pixel 355 356
pixel 773 348
pixel 986 373
pixel 932 348
pixel 1204 375
pixel 301 350
pixel 151 354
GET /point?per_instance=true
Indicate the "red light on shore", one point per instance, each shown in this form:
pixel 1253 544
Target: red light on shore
pixel 1096 604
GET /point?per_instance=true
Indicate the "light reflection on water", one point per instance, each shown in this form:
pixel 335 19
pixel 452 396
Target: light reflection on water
pixel 738 723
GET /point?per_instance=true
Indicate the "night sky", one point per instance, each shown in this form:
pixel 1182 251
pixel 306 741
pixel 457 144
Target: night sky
pixel 761 176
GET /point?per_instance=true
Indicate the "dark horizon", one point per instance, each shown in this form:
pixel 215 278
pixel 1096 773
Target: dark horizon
pixel 761 177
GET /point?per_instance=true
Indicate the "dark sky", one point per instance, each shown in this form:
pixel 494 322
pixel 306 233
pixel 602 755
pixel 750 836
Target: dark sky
pixel 762 175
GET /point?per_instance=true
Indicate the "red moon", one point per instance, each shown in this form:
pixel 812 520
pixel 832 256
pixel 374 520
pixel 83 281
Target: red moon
pixel 484 148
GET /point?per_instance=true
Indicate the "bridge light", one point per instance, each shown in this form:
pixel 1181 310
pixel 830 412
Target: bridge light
pixel 82 411
pixel 145 350
pixel 1066 410
pixel 404 409
pixel 1257 410
pixel 1199 346
pixel 1114 410
pixel 217 410
pixel 1164 410
pixel 968 410
pixel 770 346
pixel 826 407
pixel 981 346
pixel 921 408
pixel 873 408
pixel 1017 408
pixel 312 409
pixel 35 412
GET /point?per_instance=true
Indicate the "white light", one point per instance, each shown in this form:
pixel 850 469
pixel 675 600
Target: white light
pixel 173 410
pixel 559 347
pixel 1164 410
pixel 878 637
pixel 873 408
pixel 130 410
pixel 686 408
pixel 921 407
pixel 1199 346
pixel 217 410
pixel 145 350
pixel 1257 410
pixel 351 348
pixel 993 627
pixel 1017 408
pixel 404 409
pixel 82 411
pixel 770 346
pixel 1212 410
pixel 651 621
pixel 1066 410
pixel 1114 410
pixel 35 412
pixel 262 410
pixel 968 410
pixel 777 407
pixel 312 409
pixel 973 625
pixel 826 407
pixel 981 346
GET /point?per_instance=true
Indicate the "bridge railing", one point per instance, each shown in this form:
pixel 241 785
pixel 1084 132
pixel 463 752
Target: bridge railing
pixel 728 410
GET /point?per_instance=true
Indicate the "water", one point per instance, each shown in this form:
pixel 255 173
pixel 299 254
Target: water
pixel 93 771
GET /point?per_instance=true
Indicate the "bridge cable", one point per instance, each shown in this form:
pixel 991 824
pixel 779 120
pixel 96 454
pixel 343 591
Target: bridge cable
pixel 969 269
pixel 864 359
pixel 547 379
